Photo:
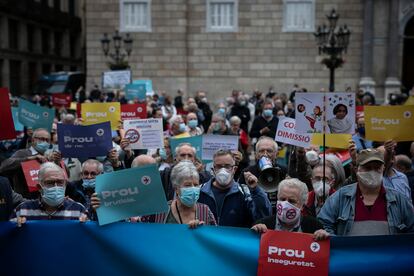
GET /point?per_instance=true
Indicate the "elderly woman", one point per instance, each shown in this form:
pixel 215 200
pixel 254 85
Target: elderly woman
pixel 291 197
pixel 184 209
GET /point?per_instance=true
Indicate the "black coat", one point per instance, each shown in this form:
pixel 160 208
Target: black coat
pixel 243 112
pixel 6 199
pixel 260 123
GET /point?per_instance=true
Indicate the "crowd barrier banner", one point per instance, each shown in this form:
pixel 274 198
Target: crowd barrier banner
pixel 73 248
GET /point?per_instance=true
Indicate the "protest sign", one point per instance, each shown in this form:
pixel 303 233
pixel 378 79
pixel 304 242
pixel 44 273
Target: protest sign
pixel 93 113
pixel 84 141
pixel 409 101
pixel 61 99
pixel 195 141
pixel 148 86
pixel 395 122
pixel 322 112
pixel 17 125
pixel 128 193
pixel 31 173
pixel 116 79
pixel 133 111
pixel 6 118
pixel 135 91
pixel 212 143
pixel 292 253
pixel 340 141
pixel 286 133
pixel 35 116
pixel 144 133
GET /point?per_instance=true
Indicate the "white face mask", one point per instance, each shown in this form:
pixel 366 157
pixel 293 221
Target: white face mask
pixel 370 179
pixel 288 213
pixel 318 188
pixel 223 177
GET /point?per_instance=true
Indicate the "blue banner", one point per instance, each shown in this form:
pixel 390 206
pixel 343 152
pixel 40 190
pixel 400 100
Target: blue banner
pixel 136 91
pixel 84 141
pixel 195 141
pixel 17 125
pixel 35 116
pixel 129 193
pixel 73 248
pixel 148 85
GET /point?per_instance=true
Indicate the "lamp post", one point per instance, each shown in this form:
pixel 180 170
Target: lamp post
pixel 332 42
pixel 118 55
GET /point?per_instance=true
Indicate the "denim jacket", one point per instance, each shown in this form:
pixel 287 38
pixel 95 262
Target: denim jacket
pixel 337 214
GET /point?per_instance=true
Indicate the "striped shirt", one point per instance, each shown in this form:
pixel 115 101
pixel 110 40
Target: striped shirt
pixel 35 210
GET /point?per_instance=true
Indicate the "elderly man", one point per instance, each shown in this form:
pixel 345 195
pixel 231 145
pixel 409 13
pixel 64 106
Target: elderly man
pixel 12 166
pixel 403 164
pixel 291 198
pixel 231 203
pixel 177 126
pixel 367 207
pixel 266 123
pixel 183 151
pixel 218 125
pixel 82 190
pixel 52 205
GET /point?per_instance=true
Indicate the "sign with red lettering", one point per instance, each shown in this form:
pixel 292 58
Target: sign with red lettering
pixel 359 109
pixel 133 111
pixel 31 172
pixel 61 99
pixel 6 118
pixel 288 253
pixel 287 134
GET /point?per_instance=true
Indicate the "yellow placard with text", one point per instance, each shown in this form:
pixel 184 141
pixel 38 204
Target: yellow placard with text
pixel 340 141
pixel 394 122
pixel 94 113
pixel 409 101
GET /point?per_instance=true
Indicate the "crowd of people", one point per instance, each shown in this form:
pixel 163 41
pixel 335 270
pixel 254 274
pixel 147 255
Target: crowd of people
pixel 370 195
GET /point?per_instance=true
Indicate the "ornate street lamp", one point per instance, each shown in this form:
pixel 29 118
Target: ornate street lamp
pixel 118 55
pixel 332 42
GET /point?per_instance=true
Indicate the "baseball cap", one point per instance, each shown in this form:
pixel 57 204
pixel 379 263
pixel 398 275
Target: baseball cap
pixel 368 155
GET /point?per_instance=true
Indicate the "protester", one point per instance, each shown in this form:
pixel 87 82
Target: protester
pixel 177 126
pixel 367 207
pixel 241 110
pixel 403 164
pixel 291 198
pixel 359 137
pixel 218 125
pixel 231 203
pixel 265 124
pixel 192 123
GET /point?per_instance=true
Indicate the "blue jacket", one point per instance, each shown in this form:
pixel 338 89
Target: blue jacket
pixel 241 206
pixel 338 212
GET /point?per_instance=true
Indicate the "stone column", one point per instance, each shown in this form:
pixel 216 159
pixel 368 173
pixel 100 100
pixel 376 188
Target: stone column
pixel 367 82
pixel 392 83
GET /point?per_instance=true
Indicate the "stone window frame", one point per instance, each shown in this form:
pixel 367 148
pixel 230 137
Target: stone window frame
pixel 146 28
pixel 235 25
pixel 312 15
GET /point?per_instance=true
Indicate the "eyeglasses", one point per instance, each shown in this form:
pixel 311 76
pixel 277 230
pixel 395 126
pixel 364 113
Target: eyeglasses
pixel 52 183
pixel 225 166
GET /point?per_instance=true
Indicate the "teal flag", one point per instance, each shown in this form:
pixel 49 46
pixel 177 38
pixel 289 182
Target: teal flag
pixel 17 125
pixel 195 141
pixel 129 193
pixel 35 116
pixel 135 91
pixel 148 85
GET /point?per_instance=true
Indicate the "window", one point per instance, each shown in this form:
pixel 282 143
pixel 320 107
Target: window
pixel 58 43
pixel 135 15
pixel 56 5
pixel 13 34
pixel 299 16
pixel 222 16
pixel 71 7
pixel 45 41
pixel 30 37
pixel 15 76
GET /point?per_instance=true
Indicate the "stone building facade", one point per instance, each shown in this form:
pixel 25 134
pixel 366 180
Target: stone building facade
pixel 247 44
pixel 39 37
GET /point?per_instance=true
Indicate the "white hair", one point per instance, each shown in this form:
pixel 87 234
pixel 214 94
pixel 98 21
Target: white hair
pixel 49 167
pixel 95 162
pixel 177 149
pixel 182 171
pixel 174 118
pixel 296 183
pixel 266 138
pixel 235 120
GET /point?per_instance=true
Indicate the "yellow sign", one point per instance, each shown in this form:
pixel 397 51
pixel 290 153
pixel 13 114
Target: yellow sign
pixel 94 113
pixel 395 122
pixel 340 141
pixel 409 101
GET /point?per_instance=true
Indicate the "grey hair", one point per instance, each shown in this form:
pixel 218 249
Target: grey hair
pixel 93 162
pixel 48 167
pixel 174 118
pixel 263 138
pixel 177 149
pixel 337 169
pixel 296 183
pixel 182 171
pixel 38 130
pixel 235 119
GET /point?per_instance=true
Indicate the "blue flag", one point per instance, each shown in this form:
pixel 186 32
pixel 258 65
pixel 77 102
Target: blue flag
pixel 135 91
pixel 129 193
pixel 148 85
pixel 85 141
pixel 35 116
pixel 17 125
pixel 195 141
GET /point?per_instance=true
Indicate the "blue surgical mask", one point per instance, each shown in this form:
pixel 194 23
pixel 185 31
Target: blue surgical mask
pixel 193 123
pixel 89 183
pixel 42 147
pixel 361 130
pixel 222 110
pixel 53 196
pixel 217 127
pixel 162 153
pixel 182 127
pixel 189 196
pixel 267 112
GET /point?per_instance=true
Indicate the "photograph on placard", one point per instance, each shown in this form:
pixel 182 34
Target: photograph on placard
pixel 340 113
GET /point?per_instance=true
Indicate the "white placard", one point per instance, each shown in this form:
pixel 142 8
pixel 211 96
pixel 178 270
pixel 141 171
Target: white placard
pixel 116 79
pixel 286 133
pixel 144 133
pixel 212 143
